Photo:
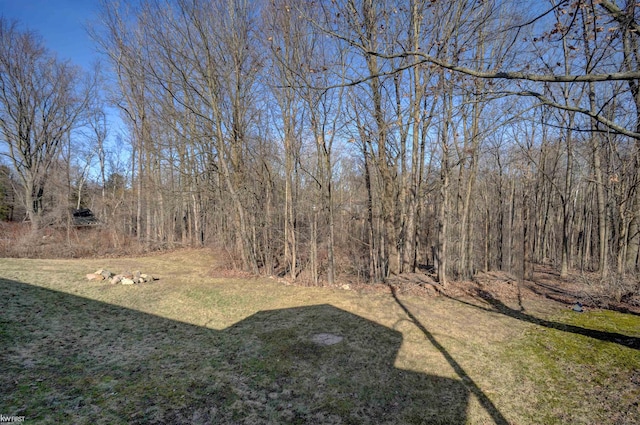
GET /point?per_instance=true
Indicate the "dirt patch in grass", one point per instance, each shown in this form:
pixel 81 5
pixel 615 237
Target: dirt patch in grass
pixel 192 348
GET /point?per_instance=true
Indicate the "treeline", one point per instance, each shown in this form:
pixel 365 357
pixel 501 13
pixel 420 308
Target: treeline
pixel 369 138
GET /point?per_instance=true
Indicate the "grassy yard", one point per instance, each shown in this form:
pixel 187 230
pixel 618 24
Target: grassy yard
pixel 191 348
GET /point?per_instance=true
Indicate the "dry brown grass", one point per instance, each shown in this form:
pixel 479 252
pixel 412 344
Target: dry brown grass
pixel 195 348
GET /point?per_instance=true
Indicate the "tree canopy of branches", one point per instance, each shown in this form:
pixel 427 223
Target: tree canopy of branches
pixel 375 137
pixel 361 138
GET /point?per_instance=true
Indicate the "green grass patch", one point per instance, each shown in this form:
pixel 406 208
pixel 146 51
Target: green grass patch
pixel 581 379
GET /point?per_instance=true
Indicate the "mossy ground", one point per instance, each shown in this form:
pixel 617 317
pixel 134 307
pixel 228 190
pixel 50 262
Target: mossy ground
pixel 191 348
pixel 581 379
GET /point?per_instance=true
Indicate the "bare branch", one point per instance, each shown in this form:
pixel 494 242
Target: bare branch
pixel 602 120
pixel 619 15
pixel 515 75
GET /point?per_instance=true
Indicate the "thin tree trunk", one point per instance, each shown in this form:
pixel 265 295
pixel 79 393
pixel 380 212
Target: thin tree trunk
pixel 373 264
pixel 443 224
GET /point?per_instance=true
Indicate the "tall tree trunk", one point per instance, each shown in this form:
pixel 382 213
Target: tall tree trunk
pixel 596 157
pixel 372 245
pixel 443 221
pixel 632 61
pixel 328 205
pixel 389 248
pixel 290 252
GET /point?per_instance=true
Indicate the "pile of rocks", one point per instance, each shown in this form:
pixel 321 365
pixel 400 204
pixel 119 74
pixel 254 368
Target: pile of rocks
pixel 124 278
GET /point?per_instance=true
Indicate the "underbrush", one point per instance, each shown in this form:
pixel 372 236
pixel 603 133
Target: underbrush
pixel 613 289
pixel 18 240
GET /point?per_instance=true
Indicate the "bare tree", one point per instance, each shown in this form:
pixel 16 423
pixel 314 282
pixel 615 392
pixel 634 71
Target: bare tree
pixel 41 100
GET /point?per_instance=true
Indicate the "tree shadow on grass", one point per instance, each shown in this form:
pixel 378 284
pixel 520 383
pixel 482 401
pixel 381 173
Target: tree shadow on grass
pixel 67 359
pixel 486 403
pixel 498 306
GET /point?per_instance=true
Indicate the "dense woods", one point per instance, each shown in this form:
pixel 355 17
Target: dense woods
pixel 360 138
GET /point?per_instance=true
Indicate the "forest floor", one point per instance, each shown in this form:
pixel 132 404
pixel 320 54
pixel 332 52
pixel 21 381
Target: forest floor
pixel 587 288
pixel 200 346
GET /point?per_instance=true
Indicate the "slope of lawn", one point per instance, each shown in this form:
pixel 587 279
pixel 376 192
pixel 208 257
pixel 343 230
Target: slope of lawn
pixel 192 348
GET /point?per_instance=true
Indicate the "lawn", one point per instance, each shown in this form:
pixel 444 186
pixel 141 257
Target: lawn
pixel 193 348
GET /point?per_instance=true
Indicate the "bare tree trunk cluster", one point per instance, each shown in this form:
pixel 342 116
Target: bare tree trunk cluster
pixel 370 138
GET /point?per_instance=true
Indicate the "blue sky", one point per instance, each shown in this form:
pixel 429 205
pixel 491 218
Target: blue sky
pixel 60 23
